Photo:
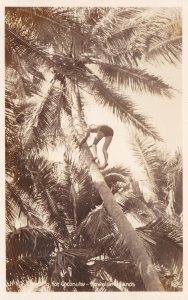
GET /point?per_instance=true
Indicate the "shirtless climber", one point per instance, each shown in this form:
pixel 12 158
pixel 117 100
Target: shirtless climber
pixel 102 131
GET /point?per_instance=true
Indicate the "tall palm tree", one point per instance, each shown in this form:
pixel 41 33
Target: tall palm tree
pixel 61 44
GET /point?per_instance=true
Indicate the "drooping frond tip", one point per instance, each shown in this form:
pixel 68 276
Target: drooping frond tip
pixel 120 105
pixel 138 80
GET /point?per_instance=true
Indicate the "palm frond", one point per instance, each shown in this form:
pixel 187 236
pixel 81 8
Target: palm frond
pixel 115 21
pixel 175 179
pixel 69 266
pixel 134 34
pixel 62 22
pixel 122 56
pixel 122 41
pixel 44 123
pixel 79 252
pixel 27 49
pixel 115 49
pixel 109 241
pixel 172 279
pixel 121 105
pixel 11 129
pixel 51 197
pixel 165 44
pixel 24 269
pixel 117 178
pixel 99 230
pixel 87 197
pixel 138 80
pixel 96 225
pixel 32 54
pixel 158 237
pixel 28 77
pixel 102 281
pixel 21 177
pixel 166 228
pixel 48 116
pixel 134 205
pixel 121 274
pixel 29 254
pixel 174 167
pixel 26 57
pixel 27 241
pixel 159 176
pixel 166 50
pixel 117 170
pixel 168 237
pixel 17 202
pixel 147 154
pixel 11 215
pixel 91 15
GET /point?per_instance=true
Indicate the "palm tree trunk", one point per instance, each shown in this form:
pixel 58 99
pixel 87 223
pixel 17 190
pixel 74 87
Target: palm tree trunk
pixel 133 241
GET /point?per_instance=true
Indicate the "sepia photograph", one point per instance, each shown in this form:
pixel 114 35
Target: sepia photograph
pixel 93 149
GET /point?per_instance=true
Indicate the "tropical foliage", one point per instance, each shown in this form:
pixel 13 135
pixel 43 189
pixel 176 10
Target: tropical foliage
pixel 65 237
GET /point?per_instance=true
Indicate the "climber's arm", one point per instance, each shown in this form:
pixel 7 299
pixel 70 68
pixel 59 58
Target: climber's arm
pixel 91 129
pixel 86 137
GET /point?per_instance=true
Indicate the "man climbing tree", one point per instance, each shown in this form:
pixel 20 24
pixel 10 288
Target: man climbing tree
pixel 102 131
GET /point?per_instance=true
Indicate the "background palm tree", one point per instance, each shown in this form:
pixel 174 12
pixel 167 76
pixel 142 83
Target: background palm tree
pixel 87 53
